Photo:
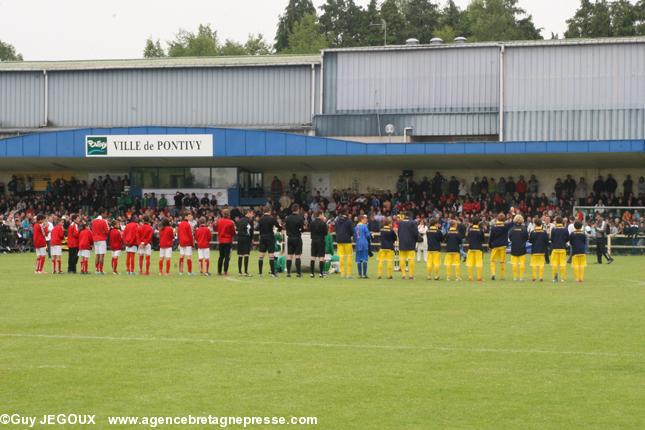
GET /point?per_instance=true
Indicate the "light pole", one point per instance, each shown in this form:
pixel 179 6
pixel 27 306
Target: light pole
pixel 384 25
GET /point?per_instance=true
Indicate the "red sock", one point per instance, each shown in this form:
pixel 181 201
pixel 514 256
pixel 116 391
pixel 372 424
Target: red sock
pixel 141 264
pixel 160 266
pixel 101 265
pixel 53 266
pixel 181 264
pixel 59 263
pixel 208 263
pixel 115 263
pixel 147 264
pixel 131 262
pixel 42 263
pixel 201 265
pixel 189 262
pixel 38 264
pixel 168 266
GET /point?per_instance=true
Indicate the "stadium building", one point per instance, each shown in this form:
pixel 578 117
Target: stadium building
pixel 353 117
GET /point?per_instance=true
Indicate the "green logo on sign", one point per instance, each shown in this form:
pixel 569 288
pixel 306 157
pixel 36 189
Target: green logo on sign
pixel 96 145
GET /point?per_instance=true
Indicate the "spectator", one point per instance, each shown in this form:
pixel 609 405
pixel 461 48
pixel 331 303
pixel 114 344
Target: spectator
pixel 610 185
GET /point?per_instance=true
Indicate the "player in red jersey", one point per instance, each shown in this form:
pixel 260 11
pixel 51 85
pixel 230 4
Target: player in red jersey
pixel 131 244
pixel 166 238
pixel 144 238
pixel 40 243
pixel 116 244
pixel 56 243
pixel 203 237
pixel 225 233
pixel 84 247
pixel 186 241
pixel 100 231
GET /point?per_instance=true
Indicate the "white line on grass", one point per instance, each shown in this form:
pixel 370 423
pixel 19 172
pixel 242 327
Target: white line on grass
pixel 323 345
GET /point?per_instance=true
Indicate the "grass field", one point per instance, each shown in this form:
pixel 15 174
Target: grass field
pixel 356 354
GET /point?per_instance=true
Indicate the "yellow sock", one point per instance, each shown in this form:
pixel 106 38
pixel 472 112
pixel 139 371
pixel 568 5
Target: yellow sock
pixel 555 271
pixel 390 268
pixel 502 270
pixel 514 267
pixel 534 270
pixel 576 273
pixel 457 271
pixel 411 264
pixel 349 265
pixel 379 268
pixel 581 273
pixel 492 269
pixel 563 272
pixel 341 263
pixel 479 273
pixel 541 270
pixel 403 263
pixel 521 271
pixel 470 273
pixel 436 271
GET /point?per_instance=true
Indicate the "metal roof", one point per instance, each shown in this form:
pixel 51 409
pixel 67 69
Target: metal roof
pixel 163 63
pixel 510 44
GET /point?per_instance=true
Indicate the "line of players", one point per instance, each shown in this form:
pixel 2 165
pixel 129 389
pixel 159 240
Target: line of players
pixel 136 238
pixel 405 237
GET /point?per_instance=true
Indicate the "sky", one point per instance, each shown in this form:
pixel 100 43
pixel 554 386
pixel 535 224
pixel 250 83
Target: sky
pixel 103 29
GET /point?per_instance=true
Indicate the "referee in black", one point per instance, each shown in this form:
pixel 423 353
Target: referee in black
pixel 318 229
pixel 602 231
pixel 244 227
pixel 267 239
pixel 295 224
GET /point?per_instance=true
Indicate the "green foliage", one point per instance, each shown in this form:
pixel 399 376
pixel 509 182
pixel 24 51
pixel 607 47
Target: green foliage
pixel 392 13
pixel 490 20
pixel 204 43
pixel 256 45
pixel 293 13
pixel 421 20
pixel 153 49
pixel 8 52
pixel 592 19
pixel 232 47
pixel 306 37
pixel 343 23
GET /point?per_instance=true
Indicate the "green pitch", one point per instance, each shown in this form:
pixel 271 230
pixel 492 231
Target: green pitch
pixel 356 354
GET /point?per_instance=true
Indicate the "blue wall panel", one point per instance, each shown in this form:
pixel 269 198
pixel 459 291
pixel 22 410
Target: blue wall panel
pixel 30 145
pixel 48 145
pixel 235 143
pixel 255 143
pixel 276 144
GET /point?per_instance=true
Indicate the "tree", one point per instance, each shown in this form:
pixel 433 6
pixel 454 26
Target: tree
pixel 232 47
pixel 256 45
pixel 373 32
pixel 153 49
pixel 306 37
pixel 592 19
pixel 293 13
pixel 202 44
pixel 393 15
pixel 421 19
pixel 343 23
pixel 498 20
pixel 8 52
pixel 624 17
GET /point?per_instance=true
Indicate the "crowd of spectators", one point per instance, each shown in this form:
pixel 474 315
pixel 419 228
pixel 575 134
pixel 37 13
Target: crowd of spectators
pixel 437 197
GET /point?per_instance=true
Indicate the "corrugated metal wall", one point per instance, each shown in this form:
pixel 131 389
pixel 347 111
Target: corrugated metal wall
pixel 240 96
pixel 575 92
pixel 21 99
pixel 447 124
pixel 429 80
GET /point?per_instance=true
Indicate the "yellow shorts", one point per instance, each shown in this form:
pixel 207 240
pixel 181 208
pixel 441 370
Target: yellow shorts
pixel 559 257
pixel 451 259
pixel 345 249
pixel 385 255
pixel 474 258
pixel 537 260
pixel 518 260
pixel 498 255
pixel 579 260
pixel 434 258
pixel 407 255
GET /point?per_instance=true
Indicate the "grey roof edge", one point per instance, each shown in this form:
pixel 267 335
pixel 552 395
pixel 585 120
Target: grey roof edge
pixel 163 63
pixel 506 44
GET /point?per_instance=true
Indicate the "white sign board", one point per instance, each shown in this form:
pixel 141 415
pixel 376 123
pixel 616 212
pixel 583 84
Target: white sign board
pixel 221 194
pixel 149 145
